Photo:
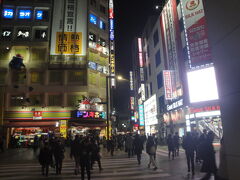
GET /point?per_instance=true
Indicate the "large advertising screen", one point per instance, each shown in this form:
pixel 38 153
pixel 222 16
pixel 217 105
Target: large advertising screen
pixel 150 111
pixel 202 85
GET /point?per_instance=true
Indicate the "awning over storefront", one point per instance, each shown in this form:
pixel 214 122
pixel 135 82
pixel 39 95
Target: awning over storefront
pixel 31 124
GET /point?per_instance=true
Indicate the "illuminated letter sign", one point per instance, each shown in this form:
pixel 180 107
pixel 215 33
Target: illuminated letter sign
pixel 90 114
pixel 8 13
pixel 131 80
pixel 141 115
pixel 93 19
pixel 140 54
pixel 168 84
pixel 39 15
pixel 24 14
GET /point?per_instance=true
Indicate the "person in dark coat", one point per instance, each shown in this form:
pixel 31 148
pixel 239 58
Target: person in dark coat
pixel 151 150
pixel 45 158
pixel 95 156
pixel 75 153
pixel 176 144
pixel 209 162
pixel 189 147
pixel 58 152
pixel 170 146
pixel 85 157
pixel 138 147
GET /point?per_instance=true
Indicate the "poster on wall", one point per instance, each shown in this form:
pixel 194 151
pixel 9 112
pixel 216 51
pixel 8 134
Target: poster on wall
pixel 69 28
pixel 196 32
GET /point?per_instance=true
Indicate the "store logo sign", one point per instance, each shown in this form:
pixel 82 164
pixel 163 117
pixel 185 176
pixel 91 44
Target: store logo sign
pixel 192 4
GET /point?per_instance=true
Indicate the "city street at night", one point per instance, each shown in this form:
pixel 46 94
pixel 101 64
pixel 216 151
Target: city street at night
pixel 22 164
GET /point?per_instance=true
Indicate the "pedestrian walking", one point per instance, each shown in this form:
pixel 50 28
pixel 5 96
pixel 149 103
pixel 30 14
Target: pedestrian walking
pixel 95 156
pixel 151 150
pixel 176 143
pixel 111 145
pixel 189 147
pixel 85 158
pixel 208 154
pixel 138 147
pixel 58 152
pixel 222 171
pixel 75 153
pixel 129 145
pixel 45 158
pixel 170 146
pixel 155 138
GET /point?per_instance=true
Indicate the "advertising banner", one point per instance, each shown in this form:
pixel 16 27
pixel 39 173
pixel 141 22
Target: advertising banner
pixel 196 32
pixel 69 28
pixel 132 103
pixel 63 128
pixel 167 84
pixel 141 115
pixel 150 111
pixel 131 80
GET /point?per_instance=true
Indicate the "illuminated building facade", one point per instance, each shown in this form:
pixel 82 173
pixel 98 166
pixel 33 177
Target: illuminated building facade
pixel 65 49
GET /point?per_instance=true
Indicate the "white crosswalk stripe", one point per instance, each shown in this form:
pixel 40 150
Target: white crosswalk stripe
pixel 118 167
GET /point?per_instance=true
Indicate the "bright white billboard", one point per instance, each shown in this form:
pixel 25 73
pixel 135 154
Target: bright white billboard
pixel 150 111
pixel 202 85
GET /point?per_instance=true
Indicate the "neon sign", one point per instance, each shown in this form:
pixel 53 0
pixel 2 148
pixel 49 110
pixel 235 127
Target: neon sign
pixel 24 14
pixel 39 15
pixel 8 13
pixel 102 25
pixel 93 19
pixel 90 114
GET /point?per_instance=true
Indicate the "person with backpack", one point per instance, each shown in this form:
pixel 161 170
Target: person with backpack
pixel 151 150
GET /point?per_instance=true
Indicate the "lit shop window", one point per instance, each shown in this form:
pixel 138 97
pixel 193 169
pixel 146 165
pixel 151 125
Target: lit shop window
pixel 23 34
pixel 6 33
pixel 102 25
pixel 8 13
pixel 41 34
pixel 24 14
pixel 93 19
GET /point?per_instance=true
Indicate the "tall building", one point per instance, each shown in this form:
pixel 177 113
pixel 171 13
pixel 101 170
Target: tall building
pixel 179 79
pixel 65 50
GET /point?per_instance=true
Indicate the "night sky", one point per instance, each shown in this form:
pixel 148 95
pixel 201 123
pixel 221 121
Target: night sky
pixel 130 19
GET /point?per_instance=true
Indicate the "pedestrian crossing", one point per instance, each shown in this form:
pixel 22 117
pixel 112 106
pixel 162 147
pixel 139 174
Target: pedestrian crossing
pixel 118 167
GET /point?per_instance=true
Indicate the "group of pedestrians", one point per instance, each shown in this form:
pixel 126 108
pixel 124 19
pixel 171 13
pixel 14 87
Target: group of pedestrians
pixel 173 143
pixel 85 151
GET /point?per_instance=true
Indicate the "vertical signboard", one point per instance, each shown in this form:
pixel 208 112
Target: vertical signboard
pixel 143 95
pixel 196 32
pixel 63 128
pixel 69 28
pixel 140 53
pixel 132 103
pixel 141 115
pixel 167 84
pixel 111 41
pixel 131 80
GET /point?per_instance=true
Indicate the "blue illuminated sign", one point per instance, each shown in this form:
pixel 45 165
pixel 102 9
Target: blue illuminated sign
pixel 141 115
pixel 111 35
pixel 39 15
pixel 101 24
pixel 93 19
pixel 132 118
pixel 8 13
pixel 24 14
pixel 111 24
pixel 92 65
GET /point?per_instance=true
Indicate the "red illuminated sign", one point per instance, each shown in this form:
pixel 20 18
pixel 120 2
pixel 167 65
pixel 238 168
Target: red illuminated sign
pixel 37 115
pixel 204 109
pixel 140 54
pixel 167 84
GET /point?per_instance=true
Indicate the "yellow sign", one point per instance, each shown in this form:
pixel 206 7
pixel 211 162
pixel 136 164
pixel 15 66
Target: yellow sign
pixel 63 128
pixel 68 43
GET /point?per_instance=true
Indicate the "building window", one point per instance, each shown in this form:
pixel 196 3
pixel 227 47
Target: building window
pixel 41 34
pixel 38 54
pixel 151 89
pixel 19 77
pixel 2 77
pixel 145 73
pixel 102 9
pixel 55 100
pixel 149 70
pixel 160 80
pixel 56 77
pixel 36 77
pixel 16 100
pixel 147 92
pixel 76 77
pixel 161 104
pixel 155 38
pixel 93 3
pixel 158 58
pixel 36 99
